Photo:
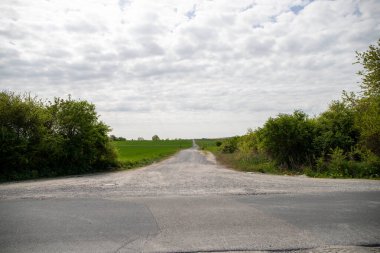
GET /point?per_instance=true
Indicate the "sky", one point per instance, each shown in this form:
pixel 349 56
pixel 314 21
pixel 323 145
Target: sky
pixel 186 69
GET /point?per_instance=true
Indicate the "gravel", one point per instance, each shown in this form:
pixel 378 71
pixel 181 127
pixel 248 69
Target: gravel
pixel 189 172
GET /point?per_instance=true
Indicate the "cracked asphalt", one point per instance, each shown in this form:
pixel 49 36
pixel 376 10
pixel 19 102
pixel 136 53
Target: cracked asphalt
pixel 189 203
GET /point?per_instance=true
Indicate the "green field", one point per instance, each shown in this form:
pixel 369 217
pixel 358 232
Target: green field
pixel 208 144
pixel 139 153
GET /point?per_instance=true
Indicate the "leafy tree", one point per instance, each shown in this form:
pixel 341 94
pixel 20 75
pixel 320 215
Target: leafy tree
pixel 84 137
pixel 370 60
pixel 367 116
pixel 115 138
pixel 155 138
pixel 367 119
pixel 22 127
pixel 55 138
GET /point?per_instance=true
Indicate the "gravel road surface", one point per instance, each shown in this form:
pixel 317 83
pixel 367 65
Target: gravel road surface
pixel 190 172
pixel 189 203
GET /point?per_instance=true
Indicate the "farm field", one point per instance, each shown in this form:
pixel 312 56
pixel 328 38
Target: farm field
pixel 208 144
pixel 138 153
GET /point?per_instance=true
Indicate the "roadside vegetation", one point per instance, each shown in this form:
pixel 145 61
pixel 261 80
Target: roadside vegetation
pixel 209 144
pixel 65 137
pixel 342 142
pixel 54 138
pixel 136 153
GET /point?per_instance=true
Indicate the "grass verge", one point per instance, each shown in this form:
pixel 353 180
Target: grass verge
pixel 239 161
pixel 248 163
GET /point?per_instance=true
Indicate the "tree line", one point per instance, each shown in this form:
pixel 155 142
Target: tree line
pixel 343 141
pixel 52 138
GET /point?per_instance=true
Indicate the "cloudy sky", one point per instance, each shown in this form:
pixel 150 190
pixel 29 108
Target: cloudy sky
pixel 189 68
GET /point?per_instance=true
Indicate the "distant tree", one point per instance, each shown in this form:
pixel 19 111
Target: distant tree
pixel 140 138
pixel 155 138
pixel 115 138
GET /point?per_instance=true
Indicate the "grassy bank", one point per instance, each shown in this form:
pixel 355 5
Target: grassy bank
pixel 260 163
pixel 133 154
pixel 238 161
pixel 248 163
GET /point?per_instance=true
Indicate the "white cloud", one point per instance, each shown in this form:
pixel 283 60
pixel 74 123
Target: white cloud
pixel 186 68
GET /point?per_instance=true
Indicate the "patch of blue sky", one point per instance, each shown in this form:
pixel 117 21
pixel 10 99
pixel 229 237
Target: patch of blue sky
pixel 191 13
pixel 247 8
pixel 296 9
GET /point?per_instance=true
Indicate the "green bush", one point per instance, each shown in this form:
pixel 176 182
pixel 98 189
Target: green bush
pixel 358 163
pixel 367 120
pixel 248 144
pixel 364 163
pixel 338 165
pixel 48 139
pixel 335 129
pixel 288 139
pixel 229 145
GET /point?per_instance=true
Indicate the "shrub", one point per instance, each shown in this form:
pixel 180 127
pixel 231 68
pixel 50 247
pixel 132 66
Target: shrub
pixel 249 143
pixel 49 139
pixel 335 129
pixel 288 139
pixel 358 162
pixel 367 119
pixel 338 165
pixel 229 145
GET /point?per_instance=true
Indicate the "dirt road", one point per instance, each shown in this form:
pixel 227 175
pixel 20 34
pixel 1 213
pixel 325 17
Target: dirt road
pixel 190 172
pixel 189 203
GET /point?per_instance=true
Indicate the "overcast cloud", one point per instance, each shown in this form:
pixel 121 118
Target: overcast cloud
pixel 186 68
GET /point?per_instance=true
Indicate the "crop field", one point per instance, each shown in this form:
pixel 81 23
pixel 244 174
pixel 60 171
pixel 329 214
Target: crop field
pixel 139 153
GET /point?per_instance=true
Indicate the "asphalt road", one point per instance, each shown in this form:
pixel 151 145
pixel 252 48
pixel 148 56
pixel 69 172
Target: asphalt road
pixel 189 203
